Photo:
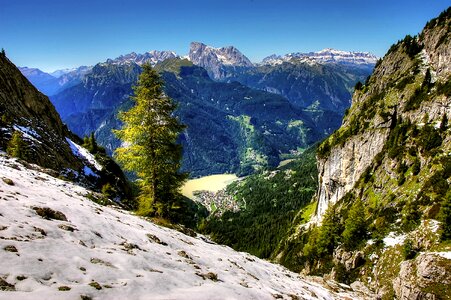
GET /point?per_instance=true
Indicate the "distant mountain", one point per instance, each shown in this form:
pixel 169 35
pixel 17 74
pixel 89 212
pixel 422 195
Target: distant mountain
pixel 51 84
pixel 43 81
pixel 319 86
pixel 362 59
pixel 321 80
pixel 152 57
pixel 218 62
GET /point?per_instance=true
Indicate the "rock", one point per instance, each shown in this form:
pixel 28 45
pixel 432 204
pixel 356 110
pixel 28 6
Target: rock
pixel 349 259
pixel 426 277
pixel 49 214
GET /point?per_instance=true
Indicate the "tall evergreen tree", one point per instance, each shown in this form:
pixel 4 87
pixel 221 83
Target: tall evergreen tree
pixel 150 150
pixel 355 225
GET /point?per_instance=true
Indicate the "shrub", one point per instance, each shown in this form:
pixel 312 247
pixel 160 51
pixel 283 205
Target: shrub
pixel 358 86
pixel 444 123
pixel 408 250
pixel 416 167
pixel 411 216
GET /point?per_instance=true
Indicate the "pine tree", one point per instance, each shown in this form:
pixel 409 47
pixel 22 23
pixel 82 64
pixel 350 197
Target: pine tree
pixel 355 225
pixel 329 232
pixel 150 150
pixel 16 146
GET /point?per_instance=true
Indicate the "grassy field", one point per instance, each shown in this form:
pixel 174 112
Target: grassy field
pixel 212 183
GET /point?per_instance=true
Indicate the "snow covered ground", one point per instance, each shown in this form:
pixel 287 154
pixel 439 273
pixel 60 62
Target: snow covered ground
pixel 82 250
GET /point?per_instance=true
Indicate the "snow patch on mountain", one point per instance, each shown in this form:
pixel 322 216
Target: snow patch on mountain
pixel 83 153
pixel 57 244
pixel 327 55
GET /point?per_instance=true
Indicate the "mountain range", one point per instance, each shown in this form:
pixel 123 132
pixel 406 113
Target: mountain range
pixel 250 126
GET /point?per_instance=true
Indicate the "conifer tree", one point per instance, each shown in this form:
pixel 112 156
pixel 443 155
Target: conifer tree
pixel 149 135
pixel 355 225
pixel 16 146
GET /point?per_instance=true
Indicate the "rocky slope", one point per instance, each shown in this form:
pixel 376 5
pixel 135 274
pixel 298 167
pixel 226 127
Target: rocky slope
pixel 57 244
pixel 394 89
pixel 31 129
pixel 25 109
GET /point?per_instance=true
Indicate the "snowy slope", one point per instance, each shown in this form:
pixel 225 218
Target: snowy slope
pixel 105 253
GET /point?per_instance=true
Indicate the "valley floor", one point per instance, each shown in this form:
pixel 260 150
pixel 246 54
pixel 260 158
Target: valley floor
pixel 57 244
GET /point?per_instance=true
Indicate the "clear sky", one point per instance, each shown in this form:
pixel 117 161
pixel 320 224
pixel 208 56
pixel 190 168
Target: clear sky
pixel 55 34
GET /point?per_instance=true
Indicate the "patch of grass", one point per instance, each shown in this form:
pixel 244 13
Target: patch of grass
pixel 308 211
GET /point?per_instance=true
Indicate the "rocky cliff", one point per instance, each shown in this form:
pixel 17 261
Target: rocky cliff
pixel 384 177
pixel 392 93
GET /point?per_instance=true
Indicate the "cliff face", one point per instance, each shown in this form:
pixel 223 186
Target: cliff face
pixel 408 84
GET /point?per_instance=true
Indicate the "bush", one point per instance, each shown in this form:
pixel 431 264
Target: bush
pixel 429 138
pixel 411 216
pixel 416 167
pixel 408 250
pixel 358 86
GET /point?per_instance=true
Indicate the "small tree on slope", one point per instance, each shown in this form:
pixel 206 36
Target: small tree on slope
pixel 149 149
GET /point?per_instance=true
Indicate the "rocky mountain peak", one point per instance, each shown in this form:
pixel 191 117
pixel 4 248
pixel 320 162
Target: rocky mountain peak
pixel 153 57
pixel 217 61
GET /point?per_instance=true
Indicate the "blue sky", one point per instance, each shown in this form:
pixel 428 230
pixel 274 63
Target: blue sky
pixel 54 34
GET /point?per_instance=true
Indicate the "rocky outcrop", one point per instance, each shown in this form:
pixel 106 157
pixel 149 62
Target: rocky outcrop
pixel 349 259
pixel 426 277
pixel 343 167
